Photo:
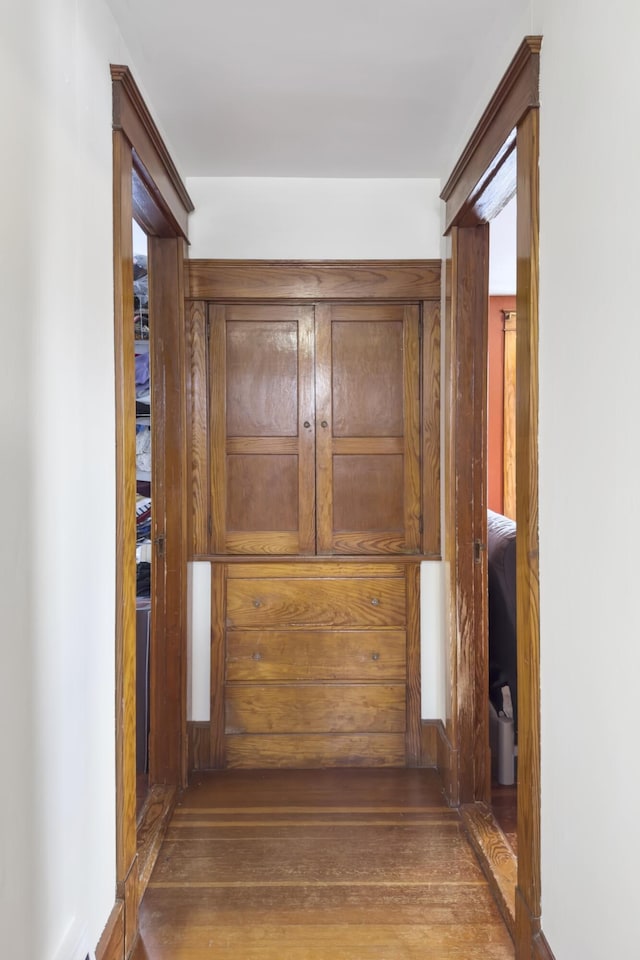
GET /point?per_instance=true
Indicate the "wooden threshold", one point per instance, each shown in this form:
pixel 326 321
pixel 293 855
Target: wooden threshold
pixel 497 859
pixel 152 826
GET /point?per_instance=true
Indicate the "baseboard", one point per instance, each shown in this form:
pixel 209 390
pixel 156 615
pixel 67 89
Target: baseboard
pixel 111 943
pixel 429 743
pixel 541 949
pixel 446 762
pixel 152 826
pixel 496 857
pixel 198 745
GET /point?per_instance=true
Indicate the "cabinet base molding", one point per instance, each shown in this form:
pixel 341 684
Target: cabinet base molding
pixel 111 943
pixel 429 736
pixel 446 762
pixel 198 745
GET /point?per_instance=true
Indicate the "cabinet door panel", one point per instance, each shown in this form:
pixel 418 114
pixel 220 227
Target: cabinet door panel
pixel 367 372
pixel 262 428
pixel 368 428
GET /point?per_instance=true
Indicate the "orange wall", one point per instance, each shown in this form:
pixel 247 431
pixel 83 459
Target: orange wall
pixel 496 399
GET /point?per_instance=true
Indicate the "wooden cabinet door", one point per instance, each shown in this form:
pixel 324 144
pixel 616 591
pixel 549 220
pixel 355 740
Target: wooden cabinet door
pixel 368 428
pixel 262 429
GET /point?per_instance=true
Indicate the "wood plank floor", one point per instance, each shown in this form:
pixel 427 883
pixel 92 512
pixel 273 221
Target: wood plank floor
pixel 318 865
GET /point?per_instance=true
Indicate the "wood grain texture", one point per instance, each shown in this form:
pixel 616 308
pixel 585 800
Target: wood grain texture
pixel 153 162
pixel 125 599
pixel 309 280
pixel 411 431
pixel 429 743
pixel 431 450
pixel 217 426
pixel 315 708
pixel 528 585
pixel 318 568
pixel 310 751
pixel 541 948
pixel 197 429
pixel 261 655
pixel 218 615
pixel 467 472
pixel 316 865
pixel 413 673
pixel 496 857
pixel 516 94
pixel 152 826
pixel 376 602
pixel 199 735
pixel 111 944
pixel 167 660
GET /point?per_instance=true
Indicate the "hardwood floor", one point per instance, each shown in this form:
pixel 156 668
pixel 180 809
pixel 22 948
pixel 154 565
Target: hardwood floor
pixel 318 865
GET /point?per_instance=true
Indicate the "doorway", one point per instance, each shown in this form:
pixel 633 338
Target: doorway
pixel 500 159
pixel 148 189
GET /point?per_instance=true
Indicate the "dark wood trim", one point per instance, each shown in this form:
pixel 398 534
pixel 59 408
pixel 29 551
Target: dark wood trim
pixel 528 585
pixel 167 739
pixel 497 859
pixel 447 764
pixel 217 757
pixel 131 904
pixel 541 949
pixel 133 139
pixel 413 736
pixel 509 108
pixel 467 519
pixel 198 735
pixel 152 826
pixel 197 427
pixel 431 519
pixel 313 280
pixel 429 735
pixel 516 94
pixel 125 599
pixel 152 160
pixel 111 944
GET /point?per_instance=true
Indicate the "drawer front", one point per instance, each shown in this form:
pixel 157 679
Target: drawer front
pixel 362 602
pixel 315 708
pixel 261 655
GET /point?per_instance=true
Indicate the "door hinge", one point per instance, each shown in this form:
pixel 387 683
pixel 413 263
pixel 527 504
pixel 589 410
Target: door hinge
pixel 160 544
pixel 478 549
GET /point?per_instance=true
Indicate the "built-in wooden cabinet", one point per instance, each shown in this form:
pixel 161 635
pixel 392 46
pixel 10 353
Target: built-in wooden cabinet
pixel 315 428
pixel 314 447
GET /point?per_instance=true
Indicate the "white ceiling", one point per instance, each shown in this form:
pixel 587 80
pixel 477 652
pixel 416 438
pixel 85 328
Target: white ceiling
pixel 331 88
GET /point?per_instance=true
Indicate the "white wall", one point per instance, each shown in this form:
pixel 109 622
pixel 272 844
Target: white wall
pixel 57 549
pixel 305 219
pixel 589 469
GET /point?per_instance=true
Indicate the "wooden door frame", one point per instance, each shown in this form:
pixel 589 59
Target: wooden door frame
pixel 148 187
pixel 500 160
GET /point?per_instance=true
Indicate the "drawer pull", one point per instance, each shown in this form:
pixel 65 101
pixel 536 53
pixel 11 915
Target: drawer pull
pixel 375 601
pixel 375 656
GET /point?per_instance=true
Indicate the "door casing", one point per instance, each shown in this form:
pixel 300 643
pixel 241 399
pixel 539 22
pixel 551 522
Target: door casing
pixel 147 187
pixel 500 160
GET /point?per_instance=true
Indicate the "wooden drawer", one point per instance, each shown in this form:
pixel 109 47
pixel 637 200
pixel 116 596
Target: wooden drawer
pixel 261 655
pixel 288 602
pixel 315 708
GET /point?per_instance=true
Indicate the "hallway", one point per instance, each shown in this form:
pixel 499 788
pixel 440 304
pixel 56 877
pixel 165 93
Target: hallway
pixel 318 865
